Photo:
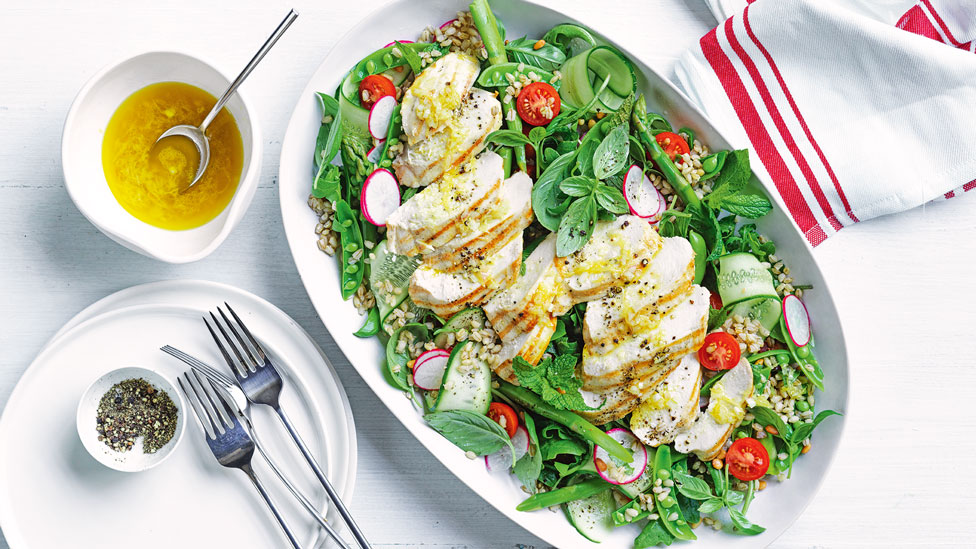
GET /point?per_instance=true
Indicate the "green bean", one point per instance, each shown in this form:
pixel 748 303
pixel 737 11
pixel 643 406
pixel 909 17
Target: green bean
pixel 506 154
pixel 667 167
pixel 577 424
pixel 701 252
pixel 582 490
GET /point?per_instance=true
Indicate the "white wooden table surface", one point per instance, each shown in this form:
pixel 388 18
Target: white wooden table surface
pixel 903 284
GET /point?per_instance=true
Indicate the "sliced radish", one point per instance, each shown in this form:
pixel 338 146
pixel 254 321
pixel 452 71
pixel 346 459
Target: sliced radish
pixel 502 459
pixel 610 470
pixel 642 196
pixel 380 116
pixel 380 196
pixel 400 41
pixel 428 371
pixel 797 320
pixel 374 154
pixel 447 24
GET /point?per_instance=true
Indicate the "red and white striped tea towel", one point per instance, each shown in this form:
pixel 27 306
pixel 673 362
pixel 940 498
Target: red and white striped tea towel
pixel 850 116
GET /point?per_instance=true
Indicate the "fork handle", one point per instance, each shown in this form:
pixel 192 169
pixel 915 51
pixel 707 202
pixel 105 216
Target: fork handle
pixel 274 510
pixel 340 507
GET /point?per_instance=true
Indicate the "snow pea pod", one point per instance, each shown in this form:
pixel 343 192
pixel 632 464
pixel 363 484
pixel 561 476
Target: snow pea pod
pixel 804 357
pixel 701 252
pixel 392 137
pixel 582 490
pixel 662 470
pixel 351 240
pixel 712 164
pixel 620 516
pixel 384 59
pixel 496 76
pixel 371 326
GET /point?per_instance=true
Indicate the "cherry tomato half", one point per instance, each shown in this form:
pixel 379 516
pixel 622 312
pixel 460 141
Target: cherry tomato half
pixel 373 87
pixel 747 459
pixel 499 410
pixel 538 103
pixel 673 144
pixel 720 351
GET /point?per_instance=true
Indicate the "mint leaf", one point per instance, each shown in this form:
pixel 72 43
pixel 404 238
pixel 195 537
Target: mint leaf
pixel 470 432
pixel 554 380
pixel 733 178
pixel 752 206
pixel 611 154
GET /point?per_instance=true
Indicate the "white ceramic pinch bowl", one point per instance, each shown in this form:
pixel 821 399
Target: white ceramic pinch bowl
pixel 81 155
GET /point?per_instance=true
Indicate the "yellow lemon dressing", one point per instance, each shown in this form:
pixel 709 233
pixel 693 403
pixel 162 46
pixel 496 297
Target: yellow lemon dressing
pixel 146 179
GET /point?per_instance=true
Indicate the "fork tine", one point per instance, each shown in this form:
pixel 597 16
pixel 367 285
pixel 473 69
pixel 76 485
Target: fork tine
pixel 247 332
pixel 190 392
pixel 212 373
pixel 245 363
pixel 240 340
pixel 212 404
pixel 235 367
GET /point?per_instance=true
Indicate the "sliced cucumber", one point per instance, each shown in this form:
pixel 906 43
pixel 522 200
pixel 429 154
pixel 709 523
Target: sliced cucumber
pixel 583 73
pixel 766 310
pixel 467 381
pixel 643 482
pixel 593 516
pixel 472 318
pixel 571 38
pixel 386 266
pixel 741 277
pixel 354 117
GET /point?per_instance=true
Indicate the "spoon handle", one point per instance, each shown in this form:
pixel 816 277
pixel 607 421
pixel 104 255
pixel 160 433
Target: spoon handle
pixel 282 27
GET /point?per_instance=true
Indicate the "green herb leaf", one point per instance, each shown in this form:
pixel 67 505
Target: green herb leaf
pixel 611 199
pixel 576 226
pixel 804 430
pixel 733 178
pixel 470 432
pixel 578 185
pixel 522 50
pixel 529 466
pixel 327 183
pixel 508 138
pixel 711 505
pixel 766 416
pixel 554 380
pixel 693 487
pixel 328 140
pixel 733 498
pixel 742 523
pixel 611 155
pixel 717 317
pixel 654 533
pixel 546 195
pixel 752 206
pixel 412 58
pixel 537 134
pixel 704 222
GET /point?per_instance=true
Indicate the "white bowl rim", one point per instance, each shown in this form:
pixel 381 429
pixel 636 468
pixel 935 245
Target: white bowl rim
pixel 235 209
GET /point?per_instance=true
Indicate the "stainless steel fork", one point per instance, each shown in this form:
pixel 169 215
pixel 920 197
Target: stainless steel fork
pixel 227 439
pixel 259 379
pixel 238 402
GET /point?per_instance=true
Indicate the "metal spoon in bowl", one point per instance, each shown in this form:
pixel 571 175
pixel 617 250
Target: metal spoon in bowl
pixel 196 134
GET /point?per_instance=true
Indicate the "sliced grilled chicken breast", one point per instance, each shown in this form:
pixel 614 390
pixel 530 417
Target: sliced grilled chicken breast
pixel 618 252
pixel 442 211
pixel 657 340
pixel 528 345
pixel 447 293
pixel 431 102
pixel 482 237
pixel 672 404
pixel 423 162
pixel 666 282
pixel 726 408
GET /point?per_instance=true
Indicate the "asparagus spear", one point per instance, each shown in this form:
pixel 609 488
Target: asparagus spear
pixel 575 423
pixel 582 490
pixel 670 171
pixel 484 20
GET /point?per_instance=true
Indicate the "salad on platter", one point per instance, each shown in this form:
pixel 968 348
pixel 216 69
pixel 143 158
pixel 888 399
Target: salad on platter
pixel 571 290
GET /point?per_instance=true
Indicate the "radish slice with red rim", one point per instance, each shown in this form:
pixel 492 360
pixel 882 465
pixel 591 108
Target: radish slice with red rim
pixel 613 470
pixel 447 24
pixel 400 41
pixel 374 154
pixel 797 320
pixel 642 196
pixel 502 459
pixel 428 371
pixel 380 116
pixel 380 196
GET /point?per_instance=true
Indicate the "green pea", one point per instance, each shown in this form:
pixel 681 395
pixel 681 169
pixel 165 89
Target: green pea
pixel 386 162
pixel 710 163
pixel 352 269
pixel 802 406
pixel 803 352
pixel 782 465
pixel 347 223
pixel 387 59
pixel 669 502
pixel 664 474
pixel 352 247
pixel 370 66
pixel 350 285
pixel 680 522
pixel 741 434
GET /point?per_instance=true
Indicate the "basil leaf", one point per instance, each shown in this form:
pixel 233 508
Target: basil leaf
pixel 328 140
pixel 529 466
pixel 327 184
pixel 611 199
pixel 711 505
pixel 577 186
pixel 469 431
pixel 508 138
pixel 611 155
pixel 742 523
pixel 734 498
pixel 752 206
pixel 693 487
pixel 766 416
pixel 654 533
pixel 546 193
pixel 803 430
pixel 576 226
pixel 537 134
pixel 548 57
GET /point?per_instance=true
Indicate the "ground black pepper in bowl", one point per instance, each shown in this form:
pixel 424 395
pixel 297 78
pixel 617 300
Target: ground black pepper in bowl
pixel 131 409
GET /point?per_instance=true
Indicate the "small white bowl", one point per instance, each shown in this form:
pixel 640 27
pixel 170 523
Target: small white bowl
pixel 134 460
pixel 81 155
